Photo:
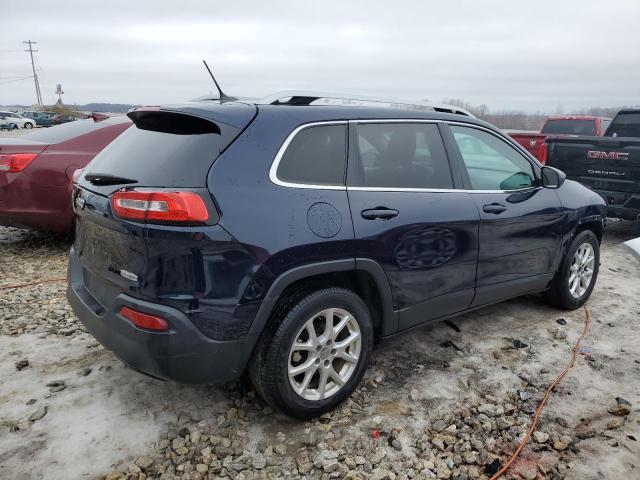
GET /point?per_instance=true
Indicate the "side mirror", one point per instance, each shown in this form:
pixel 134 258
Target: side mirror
pixel 552 177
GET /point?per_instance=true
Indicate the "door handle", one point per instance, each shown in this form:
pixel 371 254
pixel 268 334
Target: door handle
pixel 494 208
pixel 379 213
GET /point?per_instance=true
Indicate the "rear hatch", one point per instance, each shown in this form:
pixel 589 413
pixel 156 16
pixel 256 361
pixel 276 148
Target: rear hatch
pixel 601 163
pixel 167 153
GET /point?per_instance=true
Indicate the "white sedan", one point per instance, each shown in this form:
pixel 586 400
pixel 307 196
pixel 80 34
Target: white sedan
pixel 8 118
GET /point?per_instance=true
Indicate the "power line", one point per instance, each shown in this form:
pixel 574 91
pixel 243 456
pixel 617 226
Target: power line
pixel 35 75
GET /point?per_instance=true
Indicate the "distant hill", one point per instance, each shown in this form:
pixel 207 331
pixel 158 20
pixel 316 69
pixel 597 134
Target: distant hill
pixel 106 107
pixel 89 107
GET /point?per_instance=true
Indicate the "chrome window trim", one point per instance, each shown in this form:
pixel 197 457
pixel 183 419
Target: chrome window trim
pixel 439 190
pixel 276 162
pixel 395 120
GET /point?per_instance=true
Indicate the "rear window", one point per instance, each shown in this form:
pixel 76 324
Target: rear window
pixel 625 125
pixel 570 127
pixel 315 156
pixel 158 159
pixel 67 131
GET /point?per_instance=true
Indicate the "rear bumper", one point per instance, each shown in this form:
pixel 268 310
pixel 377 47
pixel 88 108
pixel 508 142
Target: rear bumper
pixel 183 354
pixel 621 204
pixel 29 203
pixel 623 213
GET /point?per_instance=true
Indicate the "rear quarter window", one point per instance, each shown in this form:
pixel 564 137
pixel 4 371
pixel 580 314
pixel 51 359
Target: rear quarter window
pixel 316 155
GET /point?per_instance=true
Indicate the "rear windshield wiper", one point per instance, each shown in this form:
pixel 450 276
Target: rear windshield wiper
pixel 107 179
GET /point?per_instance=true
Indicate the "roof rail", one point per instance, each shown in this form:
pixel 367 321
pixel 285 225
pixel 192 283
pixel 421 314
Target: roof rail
pixel 303 97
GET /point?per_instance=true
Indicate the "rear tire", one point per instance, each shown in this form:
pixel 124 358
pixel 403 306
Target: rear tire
pixel 573 283
pixel 28 125
pixel 330 361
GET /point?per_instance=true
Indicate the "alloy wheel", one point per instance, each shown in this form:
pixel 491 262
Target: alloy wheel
pixel 324 354
pixel 581 270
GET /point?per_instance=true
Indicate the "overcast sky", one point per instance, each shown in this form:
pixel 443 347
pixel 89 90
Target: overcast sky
pixel 531 56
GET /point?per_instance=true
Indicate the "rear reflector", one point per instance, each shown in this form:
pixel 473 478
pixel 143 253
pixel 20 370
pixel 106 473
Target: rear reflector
pixel 160 206
pixel 145 320
pixel 14 162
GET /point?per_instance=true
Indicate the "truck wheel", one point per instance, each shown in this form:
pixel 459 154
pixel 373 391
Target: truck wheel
pixel 314 357
pixel 573 283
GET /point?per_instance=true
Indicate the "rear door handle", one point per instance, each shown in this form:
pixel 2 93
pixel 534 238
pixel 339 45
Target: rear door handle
pixel 379 213
pixel 494 208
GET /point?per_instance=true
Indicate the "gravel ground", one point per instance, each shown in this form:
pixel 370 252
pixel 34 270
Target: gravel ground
pixel 438 403
pixel 14 133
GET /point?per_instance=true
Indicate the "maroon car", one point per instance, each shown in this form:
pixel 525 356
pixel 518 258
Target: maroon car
pixel 36 170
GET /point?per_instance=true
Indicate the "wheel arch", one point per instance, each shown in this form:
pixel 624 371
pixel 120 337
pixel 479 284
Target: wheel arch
pixel 362 275
pixel 595 223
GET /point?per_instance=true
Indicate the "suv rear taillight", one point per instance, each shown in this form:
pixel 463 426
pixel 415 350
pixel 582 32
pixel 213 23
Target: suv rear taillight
pixel 542 154
pixel 157 206
pixel 14 162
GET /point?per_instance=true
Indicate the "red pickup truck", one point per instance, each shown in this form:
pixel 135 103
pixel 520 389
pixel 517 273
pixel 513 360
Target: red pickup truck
pixel 574 126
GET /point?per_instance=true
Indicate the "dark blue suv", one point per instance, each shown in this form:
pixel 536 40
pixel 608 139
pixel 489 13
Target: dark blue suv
pixel 281 237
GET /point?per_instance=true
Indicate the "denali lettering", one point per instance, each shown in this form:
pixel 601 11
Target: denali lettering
pixel 607 156
pixel 605 172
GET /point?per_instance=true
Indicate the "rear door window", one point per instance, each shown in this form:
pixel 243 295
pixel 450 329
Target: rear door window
pixel 316 155
pixel 400 155
pixel 492 164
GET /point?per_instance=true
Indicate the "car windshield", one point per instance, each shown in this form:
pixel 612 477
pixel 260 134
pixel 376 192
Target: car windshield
pixel 570 127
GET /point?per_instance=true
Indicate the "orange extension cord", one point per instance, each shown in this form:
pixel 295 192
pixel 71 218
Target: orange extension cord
pixel 547 394
pixel 50 280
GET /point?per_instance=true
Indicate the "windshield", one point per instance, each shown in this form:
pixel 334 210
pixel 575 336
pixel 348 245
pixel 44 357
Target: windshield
pixel 625 125
pixel 570 127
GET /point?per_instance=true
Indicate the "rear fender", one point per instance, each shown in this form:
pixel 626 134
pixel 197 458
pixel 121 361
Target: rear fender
pixel 389 318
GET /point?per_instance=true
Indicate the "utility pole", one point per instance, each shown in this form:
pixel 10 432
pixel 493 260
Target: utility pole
pixel 33 66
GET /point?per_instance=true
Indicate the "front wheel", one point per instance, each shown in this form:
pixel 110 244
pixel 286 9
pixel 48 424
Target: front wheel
pixel 311 360
pixel 573 283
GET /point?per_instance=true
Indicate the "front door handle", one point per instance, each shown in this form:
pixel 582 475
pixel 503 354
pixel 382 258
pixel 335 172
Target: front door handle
pixel 379 213
pixel 494 208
